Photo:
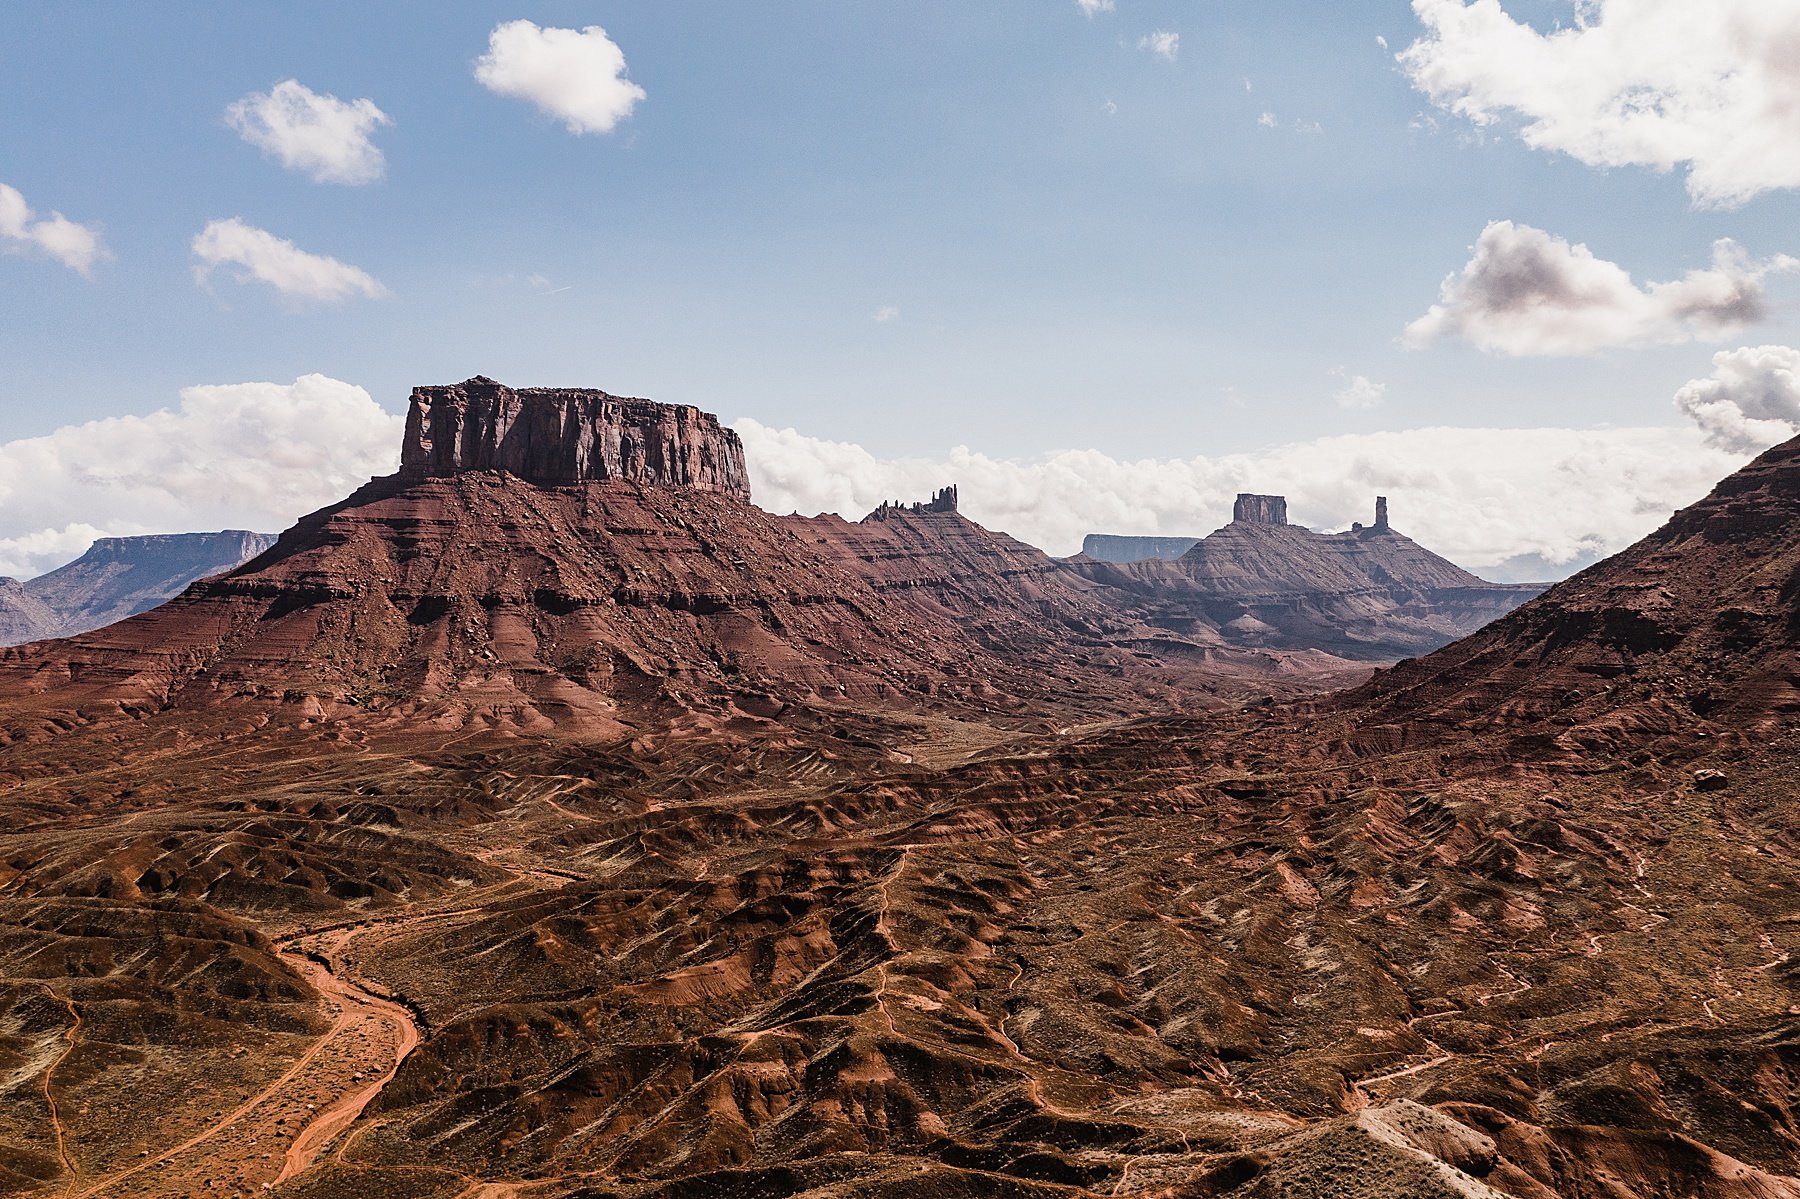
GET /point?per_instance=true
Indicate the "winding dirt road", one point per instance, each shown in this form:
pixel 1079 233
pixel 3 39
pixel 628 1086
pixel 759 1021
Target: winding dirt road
pixel 369 1034
pixel 324 975
pixel 281 1130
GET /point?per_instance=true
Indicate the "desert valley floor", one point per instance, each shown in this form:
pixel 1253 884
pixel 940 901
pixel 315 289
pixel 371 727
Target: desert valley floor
pixel 604 836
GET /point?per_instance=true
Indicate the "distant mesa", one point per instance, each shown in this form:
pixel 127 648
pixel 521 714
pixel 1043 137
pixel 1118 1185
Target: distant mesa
pixel 1250 509
pixel 1110 547
pixel 118 577
pixel 560 437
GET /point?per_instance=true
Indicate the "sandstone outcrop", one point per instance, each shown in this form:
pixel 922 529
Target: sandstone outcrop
pixel 1370 593
pixel 559 437
pixel 1260 509
pixel 942 501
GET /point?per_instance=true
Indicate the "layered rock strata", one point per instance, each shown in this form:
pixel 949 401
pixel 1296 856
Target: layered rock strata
pixel 559 437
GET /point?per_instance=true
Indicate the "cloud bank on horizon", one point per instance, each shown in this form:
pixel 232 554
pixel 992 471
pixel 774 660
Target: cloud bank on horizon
pixel 245 455
pixel 1513 502
pixel 1517 502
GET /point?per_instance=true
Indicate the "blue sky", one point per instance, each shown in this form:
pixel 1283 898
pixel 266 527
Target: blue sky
pixel 1084 245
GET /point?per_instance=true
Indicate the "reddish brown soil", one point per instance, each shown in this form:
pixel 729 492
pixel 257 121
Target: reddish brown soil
pixel 1477 928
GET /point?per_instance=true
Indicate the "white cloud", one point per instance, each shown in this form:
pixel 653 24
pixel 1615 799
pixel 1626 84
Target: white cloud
pixel 1751 400
pixel 1090 7
pixel 1109 108
pixel 279 263
pixel 1358 391
pixel 1711 86
pixel 1479 496
pixel 1526 292
pixel 76 246
pixel 577 76
pixel 1381 41
pixel 1267 120
pixel 246 455
pixel 1162 43
pixel 324 136
pixel 886 313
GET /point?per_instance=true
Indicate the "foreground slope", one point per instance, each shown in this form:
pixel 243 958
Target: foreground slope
pixel 1393 944
pixel 1689 635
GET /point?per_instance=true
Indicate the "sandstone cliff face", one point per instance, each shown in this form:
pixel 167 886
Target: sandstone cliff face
pixel 558 437
pixel 1260 509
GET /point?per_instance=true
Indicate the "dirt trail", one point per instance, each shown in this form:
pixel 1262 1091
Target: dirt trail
pixel 1361 1087
pixel 341 1073
pixel 363 1023
pixel 343 1113
pixel 56 1125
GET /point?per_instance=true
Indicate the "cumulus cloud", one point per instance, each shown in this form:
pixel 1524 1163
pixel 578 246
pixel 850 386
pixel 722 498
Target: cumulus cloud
pixel 1527 292
pixel 1481 497
pixel 1162 43
pixel 1091 7
pixel 1357 391
pixel 1712 87
pixel 245 455
pixel 886 313
pixel 324 136
pixel 1751 400
pixel 76 246
pixel 279 263
pixel 576 76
